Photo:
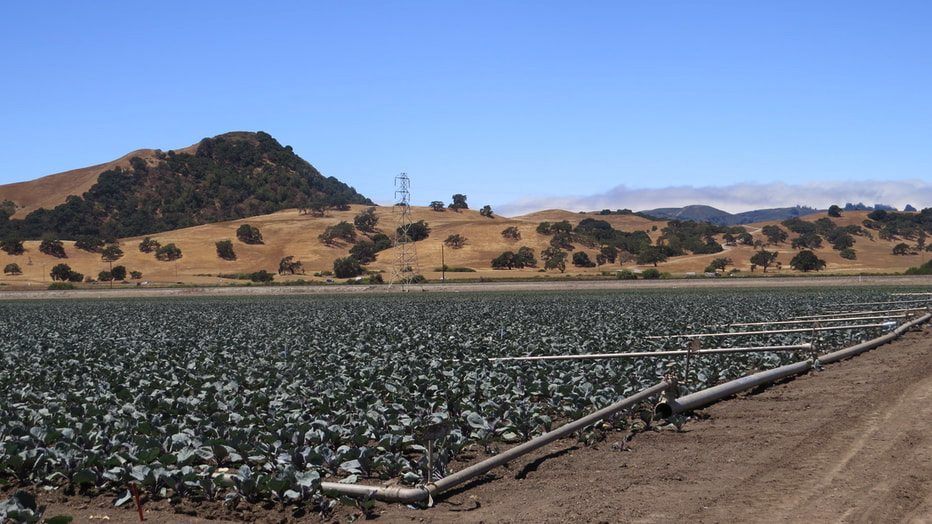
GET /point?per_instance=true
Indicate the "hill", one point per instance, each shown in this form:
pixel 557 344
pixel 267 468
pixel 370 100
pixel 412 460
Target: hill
pixel 231 176
pixel 292 233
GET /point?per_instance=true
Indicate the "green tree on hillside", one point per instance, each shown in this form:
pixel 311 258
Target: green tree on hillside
pixel 249 234
pixel 459 202
pixel 455 241
pixel 366 221
pixel 12 244
pixel 168 253
pixel 347 267
pixel 651 255
pixel 225 249
pixel 12 269
pixel 416 231
pixel 511 233
pixel 290 265
pixel 61 272
pixel 149 245
pixel 764 258
pixel 554 258
pixel 807 261
pixel 52 246
pixel 774 234
pixel 89 243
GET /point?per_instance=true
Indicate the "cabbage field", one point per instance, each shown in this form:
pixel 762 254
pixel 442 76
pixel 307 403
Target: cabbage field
pixel 282 392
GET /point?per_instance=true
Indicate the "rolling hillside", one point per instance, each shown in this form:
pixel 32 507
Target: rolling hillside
pixel 292 233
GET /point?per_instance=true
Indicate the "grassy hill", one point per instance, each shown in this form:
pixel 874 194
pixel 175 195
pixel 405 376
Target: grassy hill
pixel 231 176
pixel 292 233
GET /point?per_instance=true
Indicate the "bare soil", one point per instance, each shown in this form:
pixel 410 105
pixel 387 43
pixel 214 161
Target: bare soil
pixel 850 443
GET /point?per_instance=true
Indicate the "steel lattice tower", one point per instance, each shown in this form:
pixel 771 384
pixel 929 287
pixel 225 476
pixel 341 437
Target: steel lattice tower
pixel 404 266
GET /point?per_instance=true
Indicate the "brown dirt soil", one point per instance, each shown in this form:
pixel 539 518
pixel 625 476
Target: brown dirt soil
pixel 846 444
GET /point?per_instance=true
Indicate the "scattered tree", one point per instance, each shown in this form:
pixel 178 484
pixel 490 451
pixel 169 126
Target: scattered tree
pixel 13 245
pixel 89 243
pixel 486 211
pixel 774 234
pixel 504 261
pixel 364 251
pixel 807 261
pixel 225 250
pixel 52 246
pixel 834 211
pixel 61 272
pixel 416 231
pixel 902 249
pixel 562 240
pixel 511 233
pixel 581 259
pixel 720 264
pixel 149 245
pixel 342 231
pixel 367 220
pixel 381 241
pixel 290 265
pixel 168 253
pixel 848 254
pixel 118 272
pixel 111 253
pixel 459 202
pixel 807 241
pixel 437 205
pixel 105 276
pixel 610 253
pixel 764 258
pixel 525 258
pixel 842 241
pixel 249 234
pixel 347 267
pixel 135 275
pixel 456 241
pixel 651 255
pixel 651 274
pixel 12 269
pixel 261 276
pixel 554 258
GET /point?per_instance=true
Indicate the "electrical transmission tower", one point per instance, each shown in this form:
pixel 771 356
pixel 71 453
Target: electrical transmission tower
pixel 404 266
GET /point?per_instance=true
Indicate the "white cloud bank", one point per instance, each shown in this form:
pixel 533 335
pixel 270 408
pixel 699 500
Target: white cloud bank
pixel 737 198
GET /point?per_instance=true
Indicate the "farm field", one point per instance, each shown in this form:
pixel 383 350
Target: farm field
pixel 281 392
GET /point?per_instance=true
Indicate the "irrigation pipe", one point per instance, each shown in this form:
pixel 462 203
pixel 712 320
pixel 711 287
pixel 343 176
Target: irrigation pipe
pixel 862 312
pixel 772 331
pixel 813 321
pixel 420 493
pixel 707 396
pixel 671 353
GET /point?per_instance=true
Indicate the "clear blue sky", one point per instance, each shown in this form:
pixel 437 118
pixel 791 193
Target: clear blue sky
pixel 521 105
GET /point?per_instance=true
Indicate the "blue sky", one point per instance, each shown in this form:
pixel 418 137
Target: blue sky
pixel 519 105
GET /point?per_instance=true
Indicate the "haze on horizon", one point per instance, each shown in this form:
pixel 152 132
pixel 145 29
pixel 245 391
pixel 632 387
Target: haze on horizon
pixel 520 105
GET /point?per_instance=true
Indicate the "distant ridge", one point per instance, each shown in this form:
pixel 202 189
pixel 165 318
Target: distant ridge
pixel 700 213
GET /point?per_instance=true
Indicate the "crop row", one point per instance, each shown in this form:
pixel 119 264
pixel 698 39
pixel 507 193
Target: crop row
pixel 281 392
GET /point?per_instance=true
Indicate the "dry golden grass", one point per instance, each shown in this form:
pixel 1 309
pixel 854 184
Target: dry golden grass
pixel 290 233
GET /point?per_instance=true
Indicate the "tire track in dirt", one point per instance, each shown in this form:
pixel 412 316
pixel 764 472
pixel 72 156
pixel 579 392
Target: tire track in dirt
pixel 855 460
